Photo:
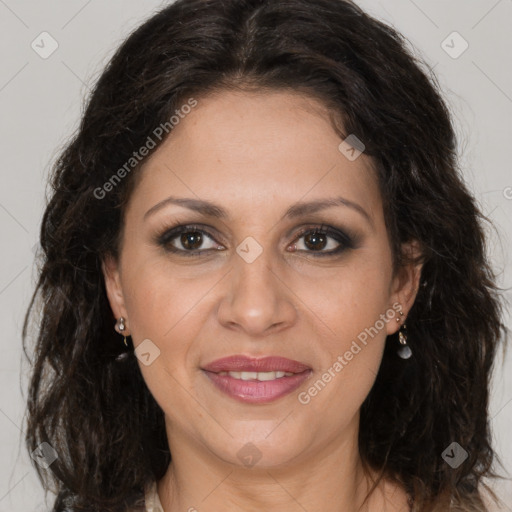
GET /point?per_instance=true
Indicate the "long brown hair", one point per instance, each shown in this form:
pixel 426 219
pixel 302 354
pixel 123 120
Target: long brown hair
pixel 87 397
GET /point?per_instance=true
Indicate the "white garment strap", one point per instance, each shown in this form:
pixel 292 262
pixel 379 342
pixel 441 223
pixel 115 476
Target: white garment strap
pixel 152 499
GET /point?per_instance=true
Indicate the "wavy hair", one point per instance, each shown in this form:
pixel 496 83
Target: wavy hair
pixel 87 397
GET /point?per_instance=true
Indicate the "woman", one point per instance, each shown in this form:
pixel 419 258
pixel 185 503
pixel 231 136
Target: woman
pixel 263 200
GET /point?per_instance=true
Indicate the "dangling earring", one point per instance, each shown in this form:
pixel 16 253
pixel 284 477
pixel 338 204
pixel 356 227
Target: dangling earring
pixel 404 351
pixel 121 327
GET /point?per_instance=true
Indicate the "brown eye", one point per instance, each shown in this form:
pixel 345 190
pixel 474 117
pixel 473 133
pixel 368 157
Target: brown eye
pixel 191 240
pixel 187 240
pixel 323 241
pixel 315 240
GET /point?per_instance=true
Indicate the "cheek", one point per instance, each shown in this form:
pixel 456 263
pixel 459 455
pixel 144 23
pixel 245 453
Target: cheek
pixel 335 394
pixel 158 298
pixel 353 311
pixel 347 299
pixel 169 313
pixel 168 310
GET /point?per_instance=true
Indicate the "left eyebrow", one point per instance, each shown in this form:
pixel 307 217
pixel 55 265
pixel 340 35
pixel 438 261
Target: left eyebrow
pixel 306 208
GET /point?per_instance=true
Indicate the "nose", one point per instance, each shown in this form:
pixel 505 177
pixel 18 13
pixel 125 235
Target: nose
pixel 258 300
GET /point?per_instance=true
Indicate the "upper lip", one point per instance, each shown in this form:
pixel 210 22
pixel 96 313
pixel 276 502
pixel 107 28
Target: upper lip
pixel 241 363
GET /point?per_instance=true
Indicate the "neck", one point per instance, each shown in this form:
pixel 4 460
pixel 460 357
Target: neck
pixel 329 477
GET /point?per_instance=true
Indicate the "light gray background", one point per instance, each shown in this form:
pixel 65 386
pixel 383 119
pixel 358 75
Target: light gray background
pixel 41 101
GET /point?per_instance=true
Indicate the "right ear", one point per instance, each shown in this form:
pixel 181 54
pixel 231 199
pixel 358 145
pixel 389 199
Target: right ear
pixel 111 275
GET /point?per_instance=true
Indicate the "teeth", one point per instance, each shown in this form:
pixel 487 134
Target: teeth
pixel 257 375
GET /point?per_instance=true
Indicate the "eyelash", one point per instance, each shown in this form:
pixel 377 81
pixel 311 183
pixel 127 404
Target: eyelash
pixel 346 241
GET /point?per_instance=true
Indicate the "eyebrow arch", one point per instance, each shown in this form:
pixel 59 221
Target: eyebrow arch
pixel 296 210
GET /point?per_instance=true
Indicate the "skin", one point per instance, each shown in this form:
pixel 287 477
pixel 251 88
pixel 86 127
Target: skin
pixel 255 154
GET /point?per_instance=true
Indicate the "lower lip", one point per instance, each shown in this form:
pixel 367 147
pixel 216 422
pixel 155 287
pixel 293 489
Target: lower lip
pixel 253 391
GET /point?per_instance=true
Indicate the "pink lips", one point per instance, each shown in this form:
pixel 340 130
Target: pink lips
pixel 240 363
pixel 254 391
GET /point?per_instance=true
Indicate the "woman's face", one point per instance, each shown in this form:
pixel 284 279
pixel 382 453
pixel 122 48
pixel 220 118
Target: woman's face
pixel 251 284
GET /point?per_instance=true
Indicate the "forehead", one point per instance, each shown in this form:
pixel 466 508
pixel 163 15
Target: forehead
pixel 249 148
pixel 254 121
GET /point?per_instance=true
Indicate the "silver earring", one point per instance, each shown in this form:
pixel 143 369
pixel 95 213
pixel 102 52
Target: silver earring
pixel 404 351
pixel 121 327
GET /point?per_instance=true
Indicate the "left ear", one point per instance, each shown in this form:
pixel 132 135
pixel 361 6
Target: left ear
pixel 405 284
